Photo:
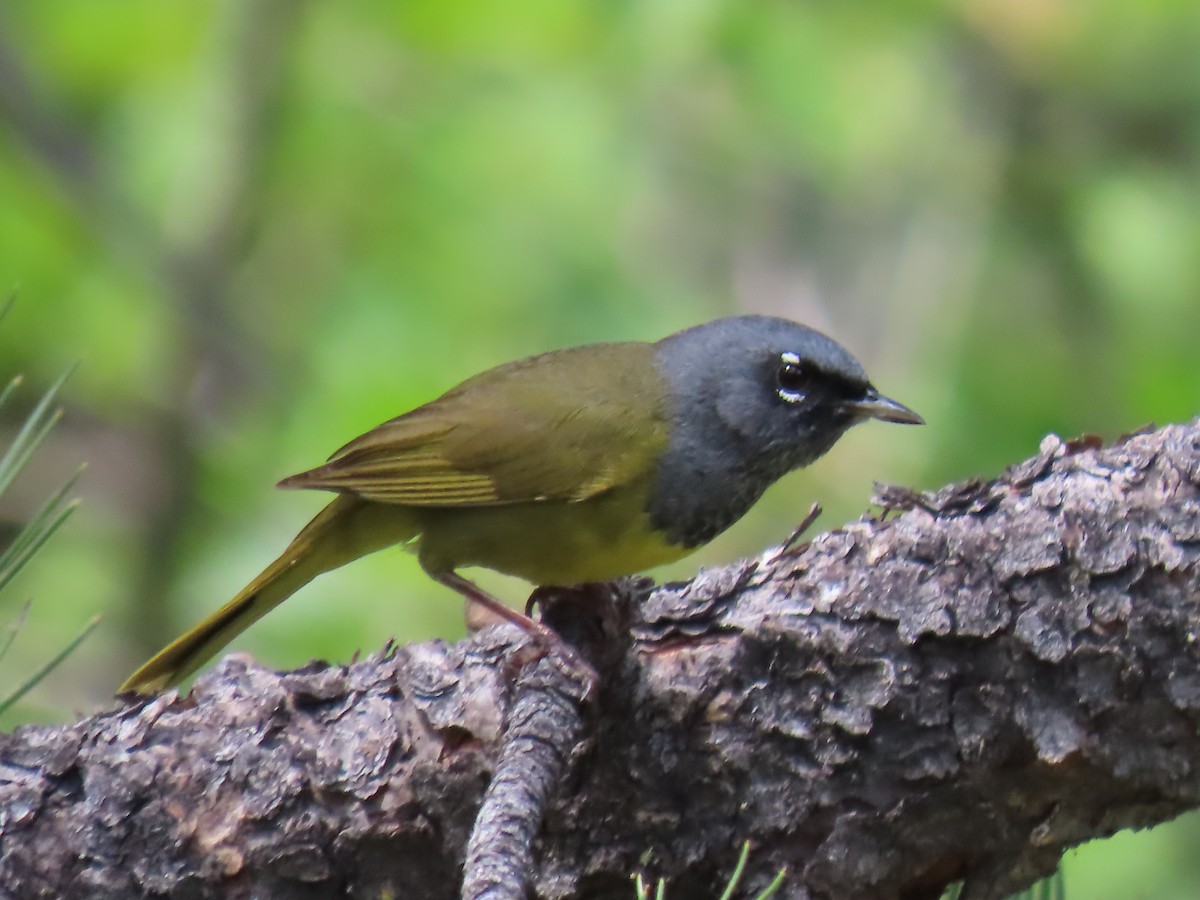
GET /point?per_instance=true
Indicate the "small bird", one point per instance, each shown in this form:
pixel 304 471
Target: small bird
pixel 575 466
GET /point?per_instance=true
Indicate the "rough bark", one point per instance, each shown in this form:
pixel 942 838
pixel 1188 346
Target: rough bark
pixel 543 728
pixel 960 691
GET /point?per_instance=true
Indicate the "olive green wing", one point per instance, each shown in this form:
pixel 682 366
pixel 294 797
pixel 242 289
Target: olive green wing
pixel 563 426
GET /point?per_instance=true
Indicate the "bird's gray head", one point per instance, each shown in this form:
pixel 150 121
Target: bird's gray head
pixel 752 397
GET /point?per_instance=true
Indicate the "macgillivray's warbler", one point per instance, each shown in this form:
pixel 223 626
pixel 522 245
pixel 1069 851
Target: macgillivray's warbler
pixel 576 466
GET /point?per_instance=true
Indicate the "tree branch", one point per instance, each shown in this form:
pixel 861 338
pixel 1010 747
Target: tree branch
pixel 959 692
pixel 543 728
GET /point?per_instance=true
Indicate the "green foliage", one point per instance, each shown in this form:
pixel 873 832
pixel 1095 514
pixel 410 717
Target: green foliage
pixel 38 675
pixel 643 891
pixel 34 533
pixel 1052 888
pixel 56 509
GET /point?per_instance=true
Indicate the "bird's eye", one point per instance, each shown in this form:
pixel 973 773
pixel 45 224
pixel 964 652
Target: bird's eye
pixel 792 377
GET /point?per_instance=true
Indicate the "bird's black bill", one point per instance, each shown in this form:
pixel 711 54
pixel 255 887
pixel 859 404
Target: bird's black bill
pixel 873 405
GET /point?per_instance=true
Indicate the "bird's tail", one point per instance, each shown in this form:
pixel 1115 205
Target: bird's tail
pixel 343 531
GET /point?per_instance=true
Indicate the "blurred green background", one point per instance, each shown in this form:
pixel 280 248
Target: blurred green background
pixel 267 226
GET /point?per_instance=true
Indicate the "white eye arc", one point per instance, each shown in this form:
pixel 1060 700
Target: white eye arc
pixel 790 378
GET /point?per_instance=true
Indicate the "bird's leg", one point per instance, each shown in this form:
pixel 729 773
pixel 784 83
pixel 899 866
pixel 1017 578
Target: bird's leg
pixel 546 637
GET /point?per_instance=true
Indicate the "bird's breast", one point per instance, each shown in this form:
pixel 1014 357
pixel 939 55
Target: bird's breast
pixel 553 542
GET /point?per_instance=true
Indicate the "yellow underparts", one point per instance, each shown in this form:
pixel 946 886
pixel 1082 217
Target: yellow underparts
pixel 553 542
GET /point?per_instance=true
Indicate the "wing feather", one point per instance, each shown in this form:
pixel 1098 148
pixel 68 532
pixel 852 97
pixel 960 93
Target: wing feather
pixel 567 425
